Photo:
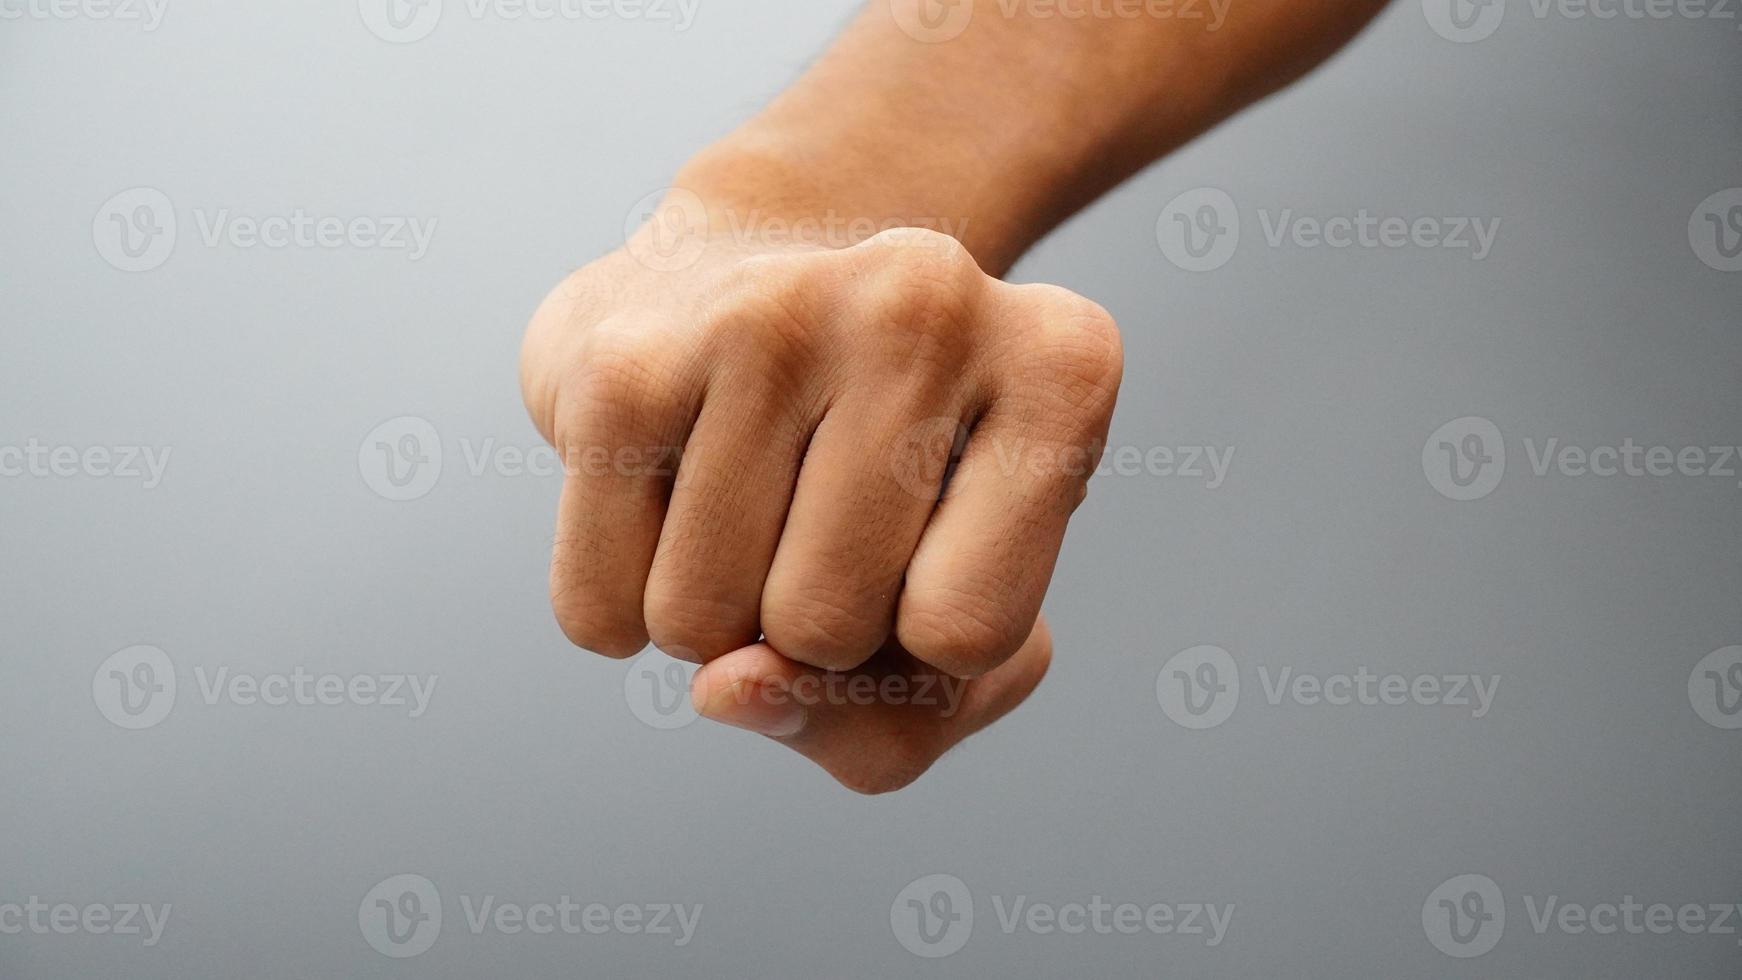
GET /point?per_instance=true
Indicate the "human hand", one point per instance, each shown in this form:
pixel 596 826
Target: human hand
pixel 756 446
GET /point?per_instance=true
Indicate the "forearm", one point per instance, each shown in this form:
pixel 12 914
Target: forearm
pixel 1003 131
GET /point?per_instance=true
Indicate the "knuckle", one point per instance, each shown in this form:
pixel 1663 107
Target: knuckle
pixel 1081 335
pixel 922 281
pixel 815 625
pixel 1097 359
pixel 592 628
pixel 632 374
pixel 1073 356
pixel 789 273
pixel 633 344
pixel 772 316
pixel 692 627
pixel 629 338
pixel 618 383
pixel 922 248
pixel 959 633
pixel 595 614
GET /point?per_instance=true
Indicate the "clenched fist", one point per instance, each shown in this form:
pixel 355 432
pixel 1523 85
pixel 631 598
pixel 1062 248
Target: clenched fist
pixel 757 443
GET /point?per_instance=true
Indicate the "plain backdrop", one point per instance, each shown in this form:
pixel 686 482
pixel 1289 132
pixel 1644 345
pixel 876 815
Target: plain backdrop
pixel 266 549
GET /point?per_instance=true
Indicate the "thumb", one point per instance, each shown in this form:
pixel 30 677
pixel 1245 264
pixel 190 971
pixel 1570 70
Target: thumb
pixel 875 728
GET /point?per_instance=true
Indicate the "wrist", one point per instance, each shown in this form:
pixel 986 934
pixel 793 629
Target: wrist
pixel 993 138
pixel 778 183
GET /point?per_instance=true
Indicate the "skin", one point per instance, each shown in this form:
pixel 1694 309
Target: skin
pixel 758 395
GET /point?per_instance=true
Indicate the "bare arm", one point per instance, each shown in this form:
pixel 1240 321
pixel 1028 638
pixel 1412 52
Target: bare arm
pixel 814 373
pixel 1018 120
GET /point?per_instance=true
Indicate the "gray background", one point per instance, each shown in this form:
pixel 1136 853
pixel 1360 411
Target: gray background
pixel 530 777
